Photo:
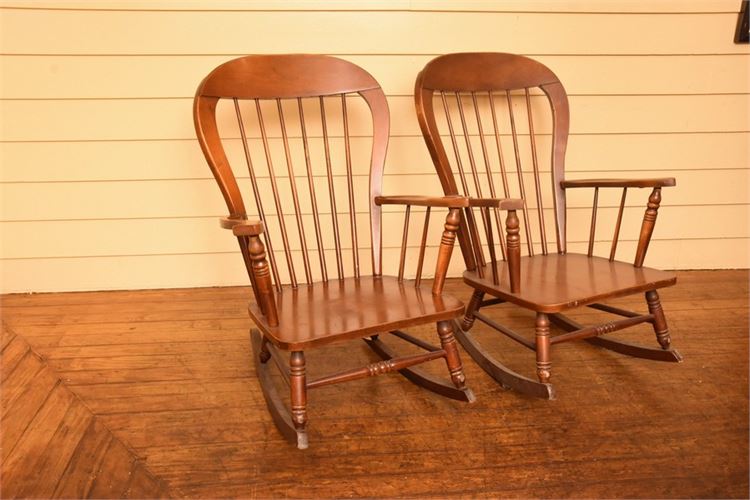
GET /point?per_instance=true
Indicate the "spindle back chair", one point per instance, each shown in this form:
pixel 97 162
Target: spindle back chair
pixel 324 122
pixel 487 120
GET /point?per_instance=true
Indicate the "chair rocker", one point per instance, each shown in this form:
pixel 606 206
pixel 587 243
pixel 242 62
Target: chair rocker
pixel 480 106
pixel 293 110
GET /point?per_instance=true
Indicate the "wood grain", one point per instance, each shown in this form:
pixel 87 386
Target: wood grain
pixel 208 434
pixel 54 446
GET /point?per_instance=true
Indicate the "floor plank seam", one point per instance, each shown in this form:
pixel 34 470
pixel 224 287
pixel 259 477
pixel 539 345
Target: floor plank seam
pixel 171 490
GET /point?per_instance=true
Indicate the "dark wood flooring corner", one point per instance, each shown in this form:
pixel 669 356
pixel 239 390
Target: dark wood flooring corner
pixel 52 445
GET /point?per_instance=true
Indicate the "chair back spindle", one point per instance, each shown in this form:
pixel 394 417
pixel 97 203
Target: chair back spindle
pixel 497 87
pixel 616 236
pixel 284 105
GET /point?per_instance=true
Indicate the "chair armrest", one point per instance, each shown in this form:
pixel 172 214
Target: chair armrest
pixel 649 218
pixel 618 183
pixel 241 226
pixel 501 203
pixel 424 201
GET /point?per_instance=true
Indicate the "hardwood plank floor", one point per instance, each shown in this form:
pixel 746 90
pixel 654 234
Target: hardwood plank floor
pixel 152 394
pixel 52 443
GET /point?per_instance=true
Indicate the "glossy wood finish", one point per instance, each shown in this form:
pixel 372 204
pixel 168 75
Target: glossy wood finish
pixel 552 283
pixel 544 282
pixel 623 183
pixel 295 307
pixel 167 375
pixel 359 308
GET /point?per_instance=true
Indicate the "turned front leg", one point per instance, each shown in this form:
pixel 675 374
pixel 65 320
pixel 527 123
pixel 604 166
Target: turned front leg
pixel 452 358
pixel 298 384
pixel 543 363
pixel 660 321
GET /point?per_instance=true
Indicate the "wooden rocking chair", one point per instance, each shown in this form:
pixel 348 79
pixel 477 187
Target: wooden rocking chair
pixel 485 103
pixel 288 102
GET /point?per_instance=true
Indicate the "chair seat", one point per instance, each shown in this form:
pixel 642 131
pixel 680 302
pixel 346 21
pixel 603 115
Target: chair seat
pixel 353 307
pixel 553 283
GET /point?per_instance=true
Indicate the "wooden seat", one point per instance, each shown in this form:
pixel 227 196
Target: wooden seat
pixel 496 126
pixel 553 283
pixel 325 312
pixel 324 123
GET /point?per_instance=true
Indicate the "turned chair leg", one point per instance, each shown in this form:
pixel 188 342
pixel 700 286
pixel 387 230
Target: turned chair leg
pixel 660 321
pixel 452 358
pixel 543 364
pixel 298 384
pixel 471 308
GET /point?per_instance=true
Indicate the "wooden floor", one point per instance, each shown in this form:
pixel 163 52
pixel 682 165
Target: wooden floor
pixel 152 394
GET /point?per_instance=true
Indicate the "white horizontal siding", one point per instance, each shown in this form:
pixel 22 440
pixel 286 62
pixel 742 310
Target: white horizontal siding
pixel 104 186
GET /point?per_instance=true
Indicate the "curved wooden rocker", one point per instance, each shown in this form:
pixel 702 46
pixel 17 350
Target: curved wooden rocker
pixel 291 100
pixel 473 101
pixel 506 377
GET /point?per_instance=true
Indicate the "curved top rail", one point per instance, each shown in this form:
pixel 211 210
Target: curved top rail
pixel 484 71
pixel 285 76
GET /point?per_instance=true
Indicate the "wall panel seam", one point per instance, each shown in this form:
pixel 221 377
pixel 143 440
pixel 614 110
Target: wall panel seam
pixel 361 249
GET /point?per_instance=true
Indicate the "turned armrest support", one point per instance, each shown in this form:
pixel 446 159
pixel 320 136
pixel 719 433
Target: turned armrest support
pixel 452 221
pixel 618 183
pixel 513 251
pixel 647 226
pixel 423 201
pixel 261 276
pixel 512 239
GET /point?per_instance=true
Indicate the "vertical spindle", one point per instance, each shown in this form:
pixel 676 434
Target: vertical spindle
pixel 521 185
pixel 275 189
pixel 454 142
pixel 313 198
pixel 477 242
pixel 295 198
pixel 422 247
pixel 256 194
pixel 593 223
pixel 491 244
pixel 503 172
pixel 617 225
pixel 404 240
pixel 472 163
pixel 488 170
pixel 537 186
pixel 331 191
pixel 350 184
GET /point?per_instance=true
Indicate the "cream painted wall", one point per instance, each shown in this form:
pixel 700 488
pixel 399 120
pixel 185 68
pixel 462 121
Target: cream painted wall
pixel 104 187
